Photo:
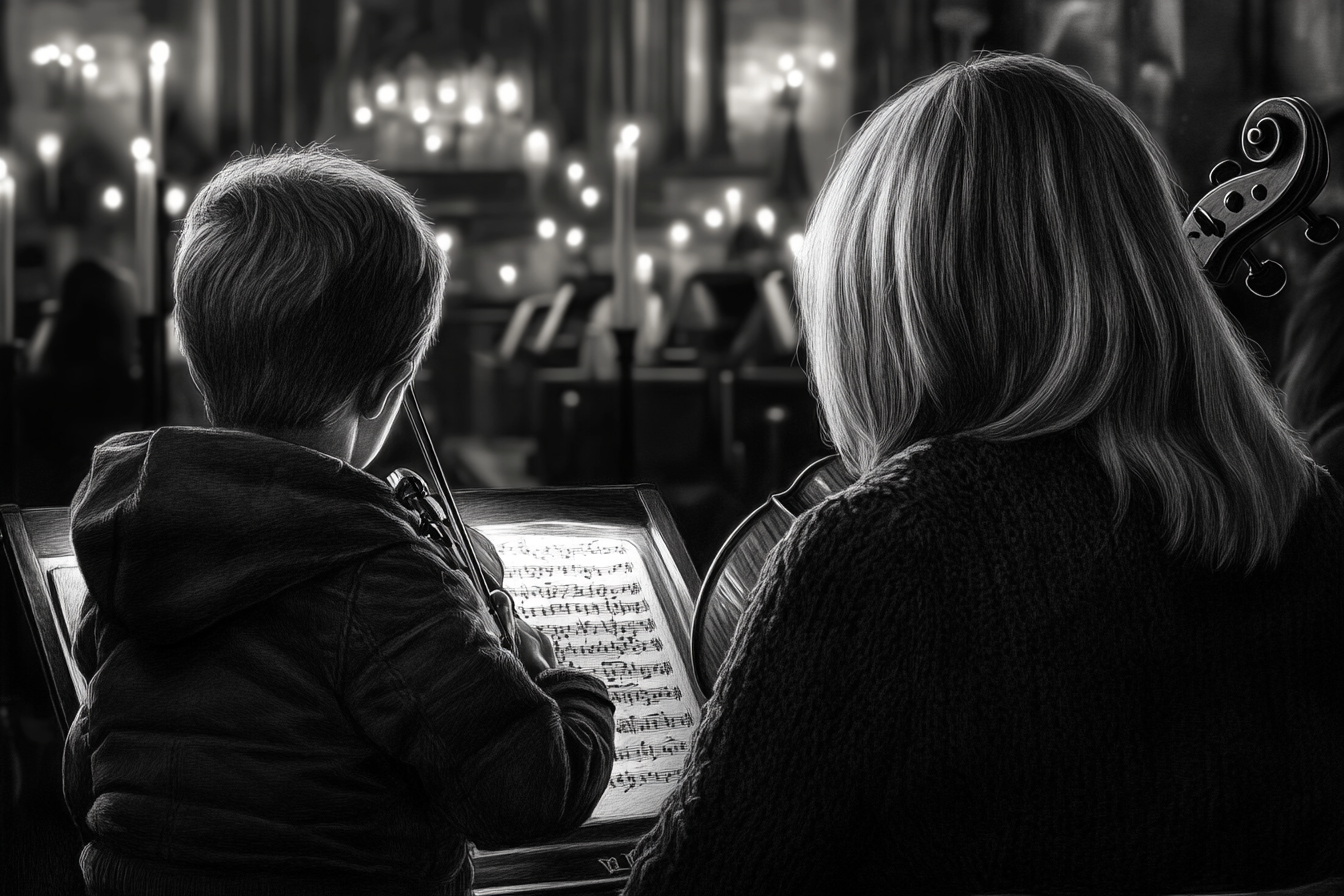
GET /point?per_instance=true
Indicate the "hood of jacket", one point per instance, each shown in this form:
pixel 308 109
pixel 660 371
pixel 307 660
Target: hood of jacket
pixel 180 528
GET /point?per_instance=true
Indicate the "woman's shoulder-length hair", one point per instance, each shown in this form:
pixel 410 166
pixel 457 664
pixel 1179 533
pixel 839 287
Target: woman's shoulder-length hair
pixel 998 252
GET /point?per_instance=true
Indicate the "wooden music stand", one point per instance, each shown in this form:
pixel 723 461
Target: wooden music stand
pixel 594 859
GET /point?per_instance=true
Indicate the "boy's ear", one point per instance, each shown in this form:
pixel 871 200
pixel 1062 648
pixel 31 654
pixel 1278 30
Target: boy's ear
pixel 373 400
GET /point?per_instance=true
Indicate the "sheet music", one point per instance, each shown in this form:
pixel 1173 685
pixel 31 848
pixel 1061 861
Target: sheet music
pixel 593 597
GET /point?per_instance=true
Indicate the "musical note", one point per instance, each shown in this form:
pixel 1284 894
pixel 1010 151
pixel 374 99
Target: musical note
pixel 646 696
pixel 619 647
pixel 656 722
pixel 607 608
pixel 643 750
pixel 600 627
pixel 538 571
pixel 615 671
pixel 559 591
pixel 630 781
pixel 589 548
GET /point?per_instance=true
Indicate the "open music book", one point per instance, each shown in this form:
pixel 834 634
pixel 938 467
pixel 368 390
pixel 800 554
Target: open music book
pixel 592 594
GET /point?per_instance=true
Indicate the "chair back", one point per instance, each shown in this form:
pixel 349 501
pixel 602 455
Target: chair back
pixel 49 586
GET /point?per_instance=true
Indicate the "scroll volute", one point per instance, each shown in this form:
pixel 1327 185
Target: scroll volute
pixel 1285 138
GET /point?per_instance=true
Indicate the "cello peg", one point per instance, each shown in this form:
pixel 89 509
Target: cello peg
pixel 1321 229
pixel 1223 172
pixel 1267 278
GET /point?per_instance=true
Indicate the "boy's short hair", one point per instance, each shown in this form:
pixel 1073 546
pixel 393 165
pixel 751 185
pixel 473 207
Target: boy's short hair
pixel 301 276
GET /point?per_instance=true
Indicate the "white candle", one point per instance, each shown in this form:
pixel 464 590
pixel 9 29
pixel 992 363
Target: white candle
pixel 7 298
pixel 626 313
pixel 733 199
pixel 49 151
pixel 146 220
pixel 158 65
pixel 679 265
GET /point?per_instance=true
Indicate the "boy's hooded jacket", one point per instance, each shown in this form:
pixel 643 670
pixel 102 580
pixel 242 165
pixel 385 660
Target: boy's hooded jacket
pixel 290 691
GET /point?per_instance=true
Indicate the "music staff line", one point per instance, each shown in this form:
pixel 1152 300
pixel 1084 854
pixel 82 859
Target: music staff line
pixel 612 648
pixel 630 781
pixel 646 696
pixel 601 627
pixel 644 750
pixel 658 721
pixel 554 551
pixel 542 571
pixel 571 608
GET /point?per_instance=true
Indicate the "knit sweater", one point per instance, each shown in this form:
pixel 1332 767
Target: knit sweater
pixel 963 675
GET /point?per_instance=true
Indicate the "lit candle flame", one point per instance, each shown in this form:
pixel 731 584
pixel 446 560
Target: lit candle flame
pixel 48 147
pixel 112 198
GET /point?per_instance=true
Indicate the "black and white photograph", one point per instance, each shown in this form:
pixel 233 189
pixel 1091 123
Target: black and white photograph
pixel 671 447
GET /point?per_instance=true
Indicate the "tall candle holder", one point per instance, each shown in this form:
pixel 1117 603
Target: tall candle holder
pixel 626 313
pixel 9 348
pixel 159 52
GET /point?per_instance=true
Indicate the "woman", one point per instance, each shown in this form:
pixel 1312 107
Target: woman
pixel 1077 627
pixel 1313 374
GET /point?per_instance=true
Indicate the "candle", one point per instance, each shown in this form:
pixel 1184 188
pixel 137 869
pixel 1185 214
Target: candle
pixel 626 312
pixel 158 66
pixel 651 327
pixel 7 298
pixel 679 264
pixel 733 199
pixel 49 151
pixel 146 220
pixel 765 219
pixel 537 149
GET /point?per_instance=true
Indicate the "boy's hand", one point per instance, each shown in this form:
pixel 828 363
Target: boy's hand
pixel 533 648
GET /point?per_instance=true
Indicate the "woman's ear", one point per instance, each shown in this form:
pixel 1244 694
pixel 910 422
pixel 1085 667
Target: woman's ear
pixel 375 399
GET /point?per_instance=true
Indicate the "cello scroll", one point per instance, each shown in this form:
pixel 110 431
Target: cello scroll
pixel 1285 137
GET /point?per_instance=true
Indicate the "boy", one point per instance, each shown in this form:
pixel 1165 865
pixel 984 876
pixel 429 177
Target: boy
pixel 291 692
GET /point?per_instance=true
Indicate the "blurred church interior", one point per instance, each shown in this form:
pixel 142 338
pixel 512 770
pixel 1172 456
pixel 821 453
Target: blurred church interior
pixel 585 163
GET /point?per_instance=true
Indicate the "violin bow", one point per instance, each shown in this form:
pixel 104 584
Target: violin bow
pixel 411 407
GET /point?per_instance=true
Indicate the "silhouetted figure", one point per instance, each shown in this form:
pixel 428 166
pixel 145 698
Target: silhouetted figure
pixel 81 386
pixel 1313 364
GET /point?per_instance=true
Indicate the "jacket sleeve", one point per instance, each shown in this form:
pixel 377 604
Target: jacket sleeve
pixel 785 773
pixel 509 760
pixel 77 774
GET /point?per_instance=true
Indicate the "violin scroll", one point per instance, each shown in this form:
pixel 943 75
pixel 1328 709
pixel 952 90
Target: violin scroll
pixel 1286 138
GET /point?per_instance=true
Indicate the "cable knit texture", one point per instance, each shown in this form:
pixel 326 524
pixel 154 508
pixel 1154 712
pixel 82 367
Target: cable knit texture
pixel 293 693
pixel 963 675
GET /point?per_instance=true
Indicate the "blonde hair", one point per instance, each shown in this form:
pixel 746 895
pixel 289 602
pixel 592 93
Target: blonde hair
pixel 998 253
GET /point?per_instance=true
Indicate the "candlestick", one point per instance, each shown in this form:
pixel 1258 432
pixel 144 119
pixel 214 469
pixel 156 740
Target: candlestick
pixel 146 214
pixel 626 312
pixel 9 349
pixel 158 66
pixel 7 298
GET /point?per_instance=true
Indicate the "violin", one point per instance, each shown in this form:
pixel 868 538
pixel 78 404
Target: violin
pixel 731 577
pixel 438 519
pixel 1284 136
